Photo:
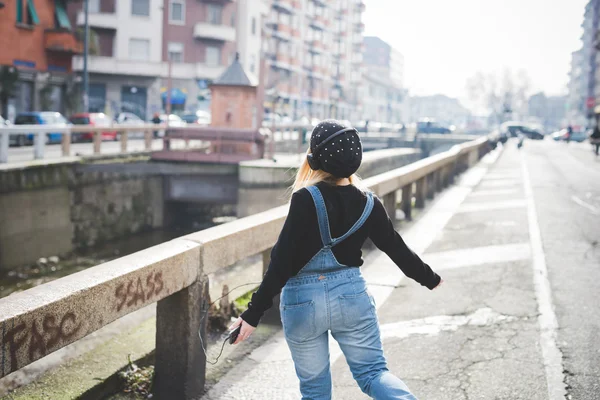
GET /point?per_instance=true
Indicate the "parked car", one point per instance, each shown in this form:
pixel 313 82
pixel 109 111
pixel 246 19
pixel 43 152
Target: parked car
pixel 127 118
pixel 429 125
pixel 39 118
pixel 581 135
pixel 560 135
pixel 531 133
pixel 578 135
pixel 200 117
pixel 93 119
pixel 174 122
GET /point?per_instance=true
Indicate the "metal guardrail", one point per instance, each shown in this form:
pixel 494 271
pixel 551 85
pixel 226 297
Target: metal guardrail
pixel 43 319
pixel 39 133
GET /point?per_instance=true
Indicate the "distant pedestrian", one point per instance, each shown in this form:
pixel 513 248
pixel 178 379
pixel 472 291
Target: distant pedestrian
pixel 323 289
pixel 595 138
pixel 569 133
pixel 156 120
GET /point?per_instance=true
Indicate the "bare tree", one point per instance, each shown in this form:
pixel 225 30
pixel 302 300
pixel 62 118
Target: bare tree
pixel 504 97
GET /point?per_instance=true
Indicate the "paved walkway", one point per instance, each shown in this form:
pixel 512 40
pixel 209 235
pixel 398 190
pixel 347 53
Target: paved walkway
pixel 477 337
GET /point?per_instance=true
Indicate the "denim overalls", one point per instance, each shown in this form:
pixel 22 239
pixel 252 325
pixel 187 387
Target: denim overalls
pixel 328 296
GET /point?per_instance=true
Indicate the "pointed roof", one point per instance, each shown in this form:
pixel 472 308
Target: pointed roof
pixel 235 75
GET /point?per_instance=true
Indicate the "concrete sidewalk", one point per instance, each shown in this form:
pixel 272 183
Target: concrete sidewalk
pixel 477 337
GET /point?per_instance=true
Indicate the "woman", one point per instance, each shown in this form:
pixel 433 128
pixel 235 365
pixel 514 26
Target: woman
pixel 323 290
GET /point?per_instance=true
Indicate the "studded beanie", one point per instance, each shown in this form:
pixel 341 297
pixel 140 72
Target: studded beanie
pixel 341 156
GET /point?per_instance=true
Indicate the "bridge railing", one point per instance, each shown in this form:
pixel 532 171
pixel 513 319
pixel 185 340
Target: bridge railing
pixel 21 133
pixel 43 319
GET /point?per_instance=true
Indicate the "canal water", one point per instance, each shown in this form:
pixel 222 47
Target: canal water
pixel 51 268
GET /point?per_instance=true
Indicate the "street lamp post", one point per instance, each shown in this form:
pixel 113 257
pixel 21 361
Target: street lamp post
pixel 86 48
pixel 170 66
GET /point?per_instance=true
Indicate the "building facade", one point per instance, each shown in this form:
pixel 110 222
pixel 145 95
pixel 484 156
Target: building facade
pixel 583 86
pixel 37 43
pixel 382 60
pixel 577 87
pixel 314 58
pixel 383 102
pixel 384 94
pixel 125 57
pixel 139 48
pixel 445 110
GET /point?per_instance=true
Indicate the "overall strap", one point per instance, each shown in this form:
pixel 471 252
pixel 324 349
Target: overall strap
pixel 363 218
pixel 321 215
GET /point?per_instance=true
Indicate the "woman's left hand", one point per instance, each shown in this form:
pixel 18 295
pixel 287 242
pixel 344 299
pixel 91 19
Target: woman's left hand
pixel 245 332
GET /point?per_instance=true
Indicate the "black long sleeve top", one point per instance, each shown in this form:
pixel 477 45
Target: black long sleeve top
pixel 300 240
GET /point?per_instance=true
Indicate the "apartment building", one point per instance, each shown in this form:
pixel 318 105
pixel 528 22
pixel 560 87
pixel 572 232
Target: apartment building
pixel 37 43
pixel 577 88
pixel 382 60
pixel 125 57
pixel 314 53
pixel 132 43
pixel 584 92
pixel 385 97
pixel 383 101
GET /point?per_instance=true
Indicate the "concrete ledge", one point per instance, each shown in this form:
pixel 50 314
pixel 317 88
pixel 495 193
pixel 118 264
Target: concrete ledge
pixel 229 243
pixel 281 171
pixel 45 318
pixel 93 375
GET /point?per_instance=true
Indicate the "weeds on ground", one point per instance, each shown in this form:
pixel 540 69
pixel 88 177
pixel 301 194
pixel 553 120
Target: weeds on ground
pixel 241 303
pixel 137 381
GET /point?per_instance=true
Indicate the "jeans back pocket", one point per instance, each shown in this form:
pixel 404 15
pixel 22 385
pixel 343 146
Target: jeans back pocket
pixel 299 321
pixel 358 310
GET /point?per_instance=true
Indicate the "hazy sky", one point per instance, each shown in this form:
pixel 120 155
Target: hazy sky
pixel 444 42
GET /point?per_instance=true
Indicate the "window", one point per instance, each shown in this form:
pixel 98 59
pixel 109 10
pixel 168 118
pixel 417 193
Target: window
pixel 252 63
pixel 139 49
pixel 140 7
pixel 29 15
pixel 215 12
pixel 177 12
pixel 60 14
pixel 175 50
pixel 254 25
pixel 233 19
pixel 94 6
pixel 213 56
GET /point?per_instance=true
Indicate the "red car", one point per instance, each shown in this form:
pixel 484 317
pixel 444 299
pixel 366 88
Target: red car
pixel 94 119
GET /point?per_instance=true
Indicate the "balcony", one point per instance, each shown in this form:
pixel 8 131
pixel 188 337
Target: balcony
pixel 319 22
pixel 316 46
pixel 282 31
pixel 360 6
pixel 98 20
pixel 284 62
pixel 359 27
pixel 113 66
pixel 287 6
pixel 359 46
pixel 62 41
pixel 223 33
pixel 320 3
pixel 357 58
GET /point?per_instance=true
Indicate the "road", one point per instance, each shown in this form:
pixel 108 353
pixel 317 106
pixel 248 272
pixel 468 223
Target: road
pixel 54 151
pixel 516 241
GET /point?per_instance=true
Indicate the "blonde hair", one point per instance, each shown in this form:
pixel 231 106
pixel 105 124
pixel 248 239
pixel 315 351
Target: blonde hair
pixel 308 177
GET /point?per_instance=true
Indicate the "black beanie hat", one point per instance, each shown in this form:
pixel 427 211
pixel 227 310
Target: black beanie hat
pixel 341 156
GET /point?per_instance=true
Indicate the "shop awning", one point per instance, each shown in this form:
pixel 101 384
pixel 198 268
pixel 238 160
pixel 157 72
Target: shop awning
pixel 178 96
